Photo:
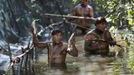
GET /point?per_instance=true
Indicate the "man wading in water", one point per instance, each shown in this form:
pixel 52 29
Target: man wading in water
pixel 84 10
pixel 98 40
pixel 57 50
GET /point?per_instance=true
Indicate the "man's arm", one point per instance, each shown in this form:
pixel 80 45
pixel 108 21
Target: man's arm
pixel 91 12
pixel 35 41
pixel 73 13
pixel 110 39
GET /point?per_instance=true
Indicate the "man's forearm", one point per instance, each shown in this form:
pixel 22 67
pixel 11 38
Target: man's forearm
pixel 35 40
pixel 37 44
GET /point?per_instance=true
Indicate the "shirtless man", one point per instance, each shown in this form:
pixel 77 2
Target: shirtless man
pixel 98 40
pixel 57 50
pixel 85 10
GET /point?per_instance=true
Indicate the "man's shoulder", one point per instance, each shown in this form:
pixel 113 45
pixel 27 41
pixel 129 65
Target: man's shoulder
pixel 107 31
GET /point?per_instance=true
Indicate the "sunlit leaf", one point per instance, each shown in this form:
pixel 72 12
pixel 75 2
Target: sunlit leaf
pixel 131 22
pixel 74 1
pixel 129 12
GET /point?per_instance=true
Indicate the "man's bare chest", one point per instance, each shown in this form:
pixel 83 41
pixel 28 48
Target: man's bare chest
pixel 83 11
pixel 57 50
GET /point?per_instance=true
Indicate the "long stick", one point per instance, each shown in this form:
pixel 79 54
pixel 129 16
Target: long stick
pixel 56 24
pixel 69 16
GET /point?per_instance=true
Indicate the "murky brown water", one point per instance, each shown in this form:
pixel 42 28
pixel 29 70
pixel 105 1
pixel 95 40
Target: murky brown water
pixel 93 65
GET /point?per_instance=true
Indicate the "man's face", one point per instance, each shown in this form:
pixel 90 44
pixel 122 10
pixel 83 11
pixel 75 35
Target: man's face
pixel 57 37
pixel 84 2
pixel 101 26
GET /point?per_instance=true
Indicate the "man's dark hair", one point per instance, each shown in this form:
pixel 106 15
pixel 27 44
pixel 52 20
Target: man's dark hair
pixel 100 20
pixel 54 32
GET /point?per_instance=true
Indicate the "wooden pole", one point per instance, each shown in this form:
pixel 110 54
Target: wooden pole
pixel 69 16
pixel 26 61
pixel 21 63
pixel 10 54
pixel 49 56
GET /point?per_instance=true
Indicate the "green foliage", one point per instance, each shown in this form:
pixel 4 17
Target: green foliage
pixel 75 1
pixel 131 60
pixel 119 11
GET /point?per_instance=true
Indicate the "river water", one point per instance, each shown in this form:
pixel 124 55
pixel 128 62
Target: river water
pixel 81 65
pixel 93 65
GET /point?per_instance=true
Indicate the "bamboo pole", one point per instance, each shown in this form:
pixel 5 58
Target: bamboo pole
pixel 69 16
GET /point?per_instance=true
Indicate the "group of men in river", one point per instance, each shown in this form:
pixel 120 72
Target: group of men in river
pixel 96 42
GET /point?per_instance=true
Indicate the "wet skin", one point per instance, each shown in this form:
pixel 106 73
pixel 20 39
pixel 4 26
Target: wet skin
pixel 57 50
pixel 83 9
pixel 98 47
